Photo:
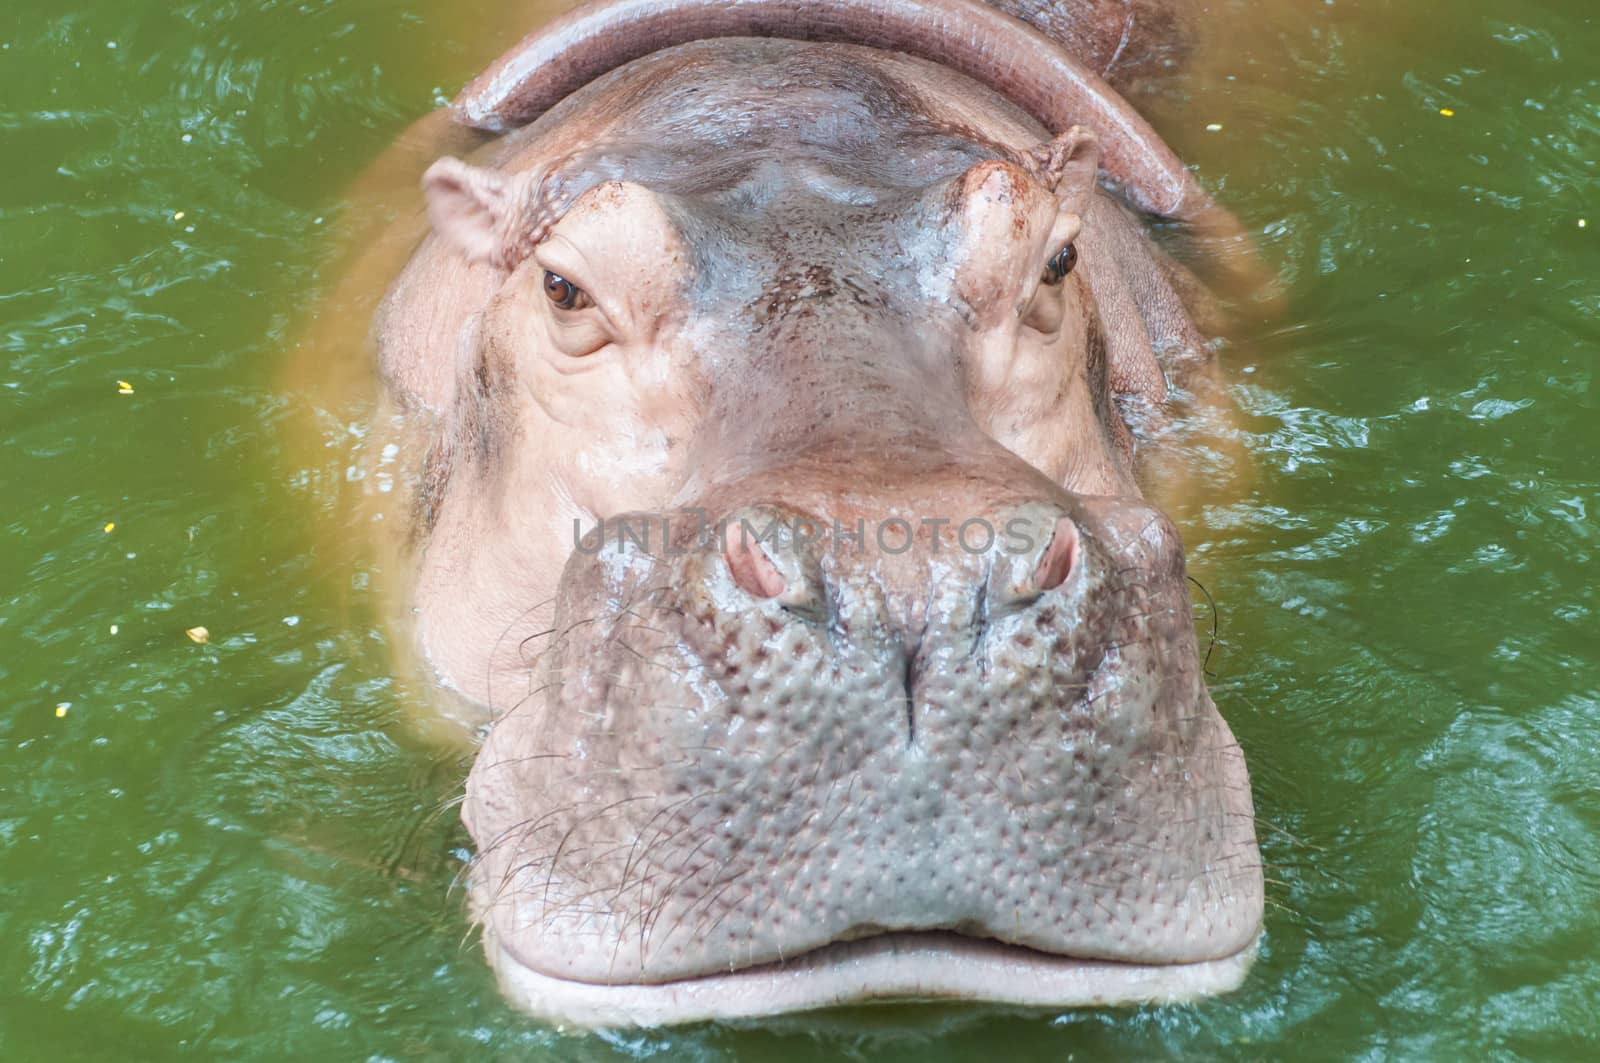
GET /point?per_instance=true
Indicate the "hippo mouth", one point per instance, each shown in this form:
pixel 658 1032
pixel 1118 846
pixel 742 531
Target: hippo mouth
pixel 1038 806
pixel 894 967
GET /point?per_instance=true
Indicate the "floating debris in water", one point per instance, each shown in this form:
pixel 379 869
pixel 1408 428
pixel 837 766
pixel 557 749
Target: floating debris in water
pixel 1447 112
pixel 1214 127
pixel 179 216
pixel 198 635
pixel 61 708
pixel 1583 223
pixel 113 629
pixel 110 527
pixel 124 388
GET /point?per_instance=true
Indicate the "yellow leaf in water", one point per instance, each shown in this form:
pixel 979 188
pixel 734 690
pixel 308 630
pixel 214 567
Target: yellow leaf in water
pixel 198 635
pixel 1447 112
pixel 178 216
pixel 61 709
pixel 124 388
pixel 111 526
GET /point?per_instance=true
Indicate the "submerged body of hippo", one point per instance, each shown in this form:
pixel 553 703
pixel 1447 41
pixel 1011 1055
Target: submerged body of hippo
pixel 777 367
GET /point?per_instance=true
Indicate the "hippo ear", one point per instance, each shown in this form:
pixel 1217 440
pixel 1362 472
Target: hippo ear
pixel 1007 221
pixel 470 208
pixel 1068 166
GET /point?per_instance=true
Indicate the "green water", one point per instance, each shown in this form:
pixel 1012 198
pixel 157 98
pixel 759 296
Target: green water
pixel 245 849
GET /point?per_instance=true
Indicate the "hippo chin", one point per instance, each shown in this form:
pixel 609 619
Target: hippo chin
pixel 778 363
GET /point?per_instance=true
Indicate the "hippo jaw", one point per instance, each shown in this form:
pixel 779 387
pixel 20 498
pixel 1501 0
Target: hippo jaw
pixel 583 950
pixel 776 800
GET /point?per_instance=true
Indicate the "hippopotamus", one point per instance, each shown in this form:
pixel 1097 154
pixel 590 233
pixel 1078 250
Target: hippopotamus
pixel 781 374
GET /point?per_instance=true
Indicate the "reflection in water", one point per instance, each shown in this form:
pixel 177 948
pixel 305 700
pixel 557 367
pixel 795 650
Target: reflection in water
pixel 245 848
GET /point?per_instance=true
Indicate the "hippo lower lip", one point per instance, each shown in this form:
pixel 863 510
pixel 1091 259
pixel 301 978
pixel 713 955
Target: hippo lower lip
pixel 891 967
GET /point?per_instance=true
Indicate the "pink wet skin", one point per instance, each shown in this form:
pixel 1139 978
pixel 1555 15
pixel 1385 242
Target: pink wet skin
pixel 742 285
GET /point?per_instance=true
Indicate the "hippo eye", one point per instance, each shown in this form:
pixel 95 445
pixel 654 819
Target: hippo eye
pixel 1056 270
pixel 564 293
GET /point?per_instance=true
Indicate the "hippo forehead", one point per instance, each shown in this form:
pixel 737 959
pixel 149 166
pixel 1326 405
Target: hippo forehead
pixel 714 111
pixel 788 159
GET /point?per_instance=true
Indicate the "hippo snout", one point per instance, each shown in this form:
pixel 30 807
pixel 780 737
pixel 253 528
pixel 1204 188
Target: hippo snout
pixel 779 731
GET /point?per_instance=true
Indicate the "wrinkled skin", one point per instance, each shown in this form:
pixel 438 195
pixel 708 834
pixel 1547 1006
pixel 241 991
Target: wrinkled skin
pixel 1125 41
pixel 951 739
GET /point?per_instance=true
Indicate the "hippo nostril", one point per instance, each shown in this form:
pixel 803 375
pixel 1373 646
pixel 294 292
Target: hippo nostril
pixel 1047 550
pixel 750 566
pixel 1057 562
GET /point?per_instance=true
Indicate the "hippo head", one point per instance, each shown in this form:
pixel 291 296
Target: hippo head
pixel 781 508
